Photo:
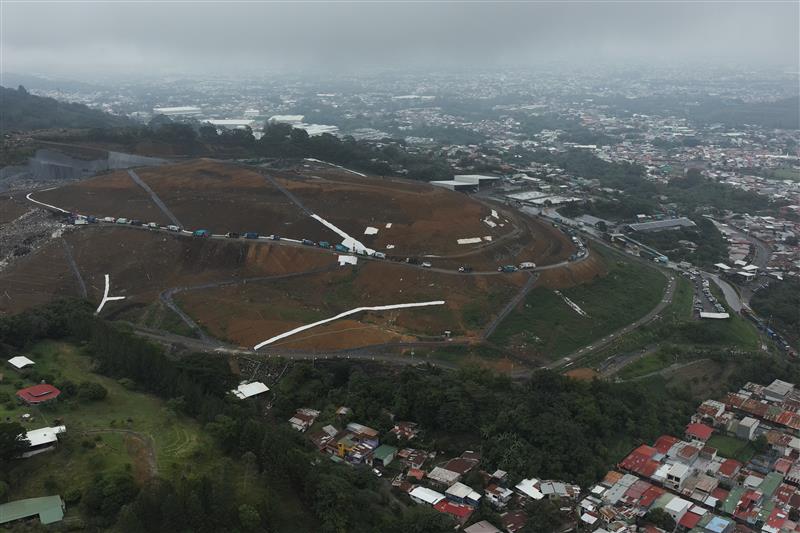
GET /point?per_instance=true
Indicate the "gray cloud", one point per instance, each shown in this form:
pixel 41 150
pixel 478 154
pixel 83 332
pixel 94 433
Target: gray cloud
pixel 152 38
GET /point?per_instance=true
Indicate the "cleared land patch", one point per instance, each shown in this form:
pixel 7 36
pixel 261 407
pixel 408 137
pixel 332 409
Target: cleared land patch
pixel 248 314
pixel 545 327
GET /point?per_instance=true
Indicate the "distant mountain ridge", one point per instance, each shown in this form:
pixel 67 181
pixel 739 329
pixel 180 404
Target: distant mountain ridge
pixel 20 110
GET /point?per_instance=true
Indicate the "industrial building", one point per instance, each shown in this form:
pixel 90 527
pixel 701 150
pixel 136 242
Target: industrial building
pixel 661 225
pixel 467 182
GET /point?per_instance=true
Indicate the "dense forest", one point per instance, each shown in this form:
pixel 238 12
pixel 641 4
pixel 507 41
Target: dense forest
pixel 20 110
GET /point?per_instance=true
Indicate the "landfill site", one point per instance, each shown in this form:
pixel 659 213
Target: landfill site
pixel 308 258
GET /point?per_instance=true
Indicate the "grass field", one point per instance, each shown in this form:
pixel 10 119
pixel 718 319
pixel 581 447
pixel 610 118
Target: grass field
pixel 732 447
pixel 546 326
pixel 96 441
pixel 177 440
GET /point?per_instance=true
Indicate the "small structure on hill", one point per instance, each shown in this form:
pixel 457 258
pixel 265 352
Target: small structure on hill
pixel 20 363
pixel 42 439
pixel 248 390
pixel 49 509
pixel 38 394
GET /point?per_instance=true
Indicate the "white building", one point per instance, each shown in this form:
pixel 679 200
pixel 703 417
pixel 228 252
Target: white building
pixel 248 390
pixel 20 362
pixel 425 495
pixel 529 488
pixel 747 428
pixel 42 440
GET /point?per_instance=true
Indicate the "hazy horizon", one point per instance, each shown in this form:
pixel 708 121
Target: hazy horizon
pixel 134 39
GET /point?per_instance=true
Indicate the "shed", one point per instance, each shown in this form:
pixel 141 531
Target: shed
pixel 20 362
pixel 49 509
pixel 248 390
pixel 383 455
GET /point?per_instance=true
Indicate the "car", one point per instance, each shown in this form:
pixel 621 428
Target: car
pixel 377 472
pixel 232 235
pixel 173 227
pixel 465 269
pixel 426 264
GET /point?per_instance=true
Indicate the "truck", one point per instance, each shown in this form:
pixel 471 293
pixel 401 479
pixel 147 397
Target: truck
pixel 122 221
pixel 173 227
pixel 91 219
pixel 135 222
pixel 341 248
pixel 324 244
pixel 204 233
pixel 232 235
pixel 527 265
pixel 379 255
pixel 507 268
pixel 251 235
pixel 109 219
pixel 307 242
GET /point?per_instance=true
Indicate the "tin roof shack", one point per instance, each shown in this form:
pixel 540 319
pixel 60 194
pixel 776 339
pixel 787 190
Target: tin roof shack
pixel 443 477
pixel 383 455
pixel 481 527
pixel 423 495
pixel 303 419
pixel 248 390
pixel 513 521
pixel 42 440
pixel 49 510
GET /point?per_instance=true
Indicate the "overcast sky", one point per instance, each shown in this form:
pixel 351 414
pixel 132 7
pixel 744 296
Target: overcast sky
pixel 74 38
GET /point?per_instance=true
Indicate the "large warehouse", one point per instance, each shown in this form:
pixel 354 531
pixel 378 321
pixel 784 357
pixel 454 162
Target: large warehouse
pixel 467 182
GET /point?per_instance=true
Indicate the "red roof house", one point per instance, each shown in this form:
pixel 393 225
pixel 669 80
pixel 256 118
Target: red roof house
pixel 460 512
pixel 699 431
pixel 665 442
pixel 689 520
pixel 38 394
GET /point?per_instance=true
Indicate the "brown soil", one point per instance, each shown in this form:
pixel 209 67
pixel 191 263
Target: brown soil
pixel 224 197
pixel 113 195
pixel 36 279
pixel 248 314
pixel 573 273
pixel 142 264
pixel 425 219
pixel 583 374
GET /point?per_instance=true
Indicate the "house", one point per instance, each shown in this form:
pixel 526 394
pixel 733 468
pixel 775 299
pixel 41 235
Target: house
pixel 481 527
pixel 463 464
pixel 412 458
pixel 248 390
pixel 677 476
pixel 513 521
pixel 529 488
pixel 443 476
pixel 498 496
pixel 729 471
pixel 778 390
pixel 677 508
pixel 361 431
pixel 405 430
pixel 700 432
pixel 383 455
pixel 303 419
pixel 460 513
pixel 49 510
pixel 463 494
pixel 425 495
pixel 746 429
pixel 38 394
pixel 20 363
pixel 42 440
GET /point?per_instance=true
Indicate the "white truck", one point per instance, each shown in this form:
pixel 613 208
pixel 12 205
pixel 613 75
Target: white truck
pixel 527 265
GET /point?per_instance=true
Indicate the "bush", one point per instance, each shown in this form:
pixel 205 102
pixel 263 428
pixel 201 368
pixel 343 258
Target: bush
pixel 91 391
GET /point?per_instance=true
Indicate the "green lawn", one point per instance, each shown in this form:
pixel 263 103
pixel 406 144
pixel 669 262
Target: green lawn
pixel 731 447
pixel 646 365
pixel 547 327
pixel 179 443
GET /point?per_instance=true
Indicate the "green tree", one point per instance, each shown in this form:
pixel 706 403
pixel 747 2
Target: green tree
pixel 12 441
pixel 660 518
pixel 249 518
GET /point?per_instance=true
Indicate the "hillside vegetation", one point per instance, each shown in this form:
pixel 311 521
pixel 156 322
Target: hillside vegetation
pixel 20 110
